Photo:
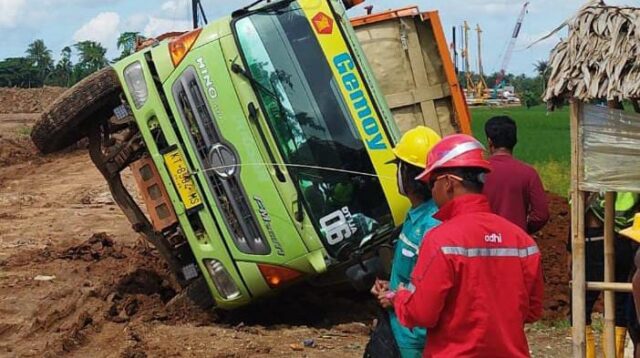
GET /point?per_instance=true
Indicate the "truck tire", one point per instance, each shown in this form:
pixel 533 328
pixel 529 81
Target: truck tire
pixel 68 118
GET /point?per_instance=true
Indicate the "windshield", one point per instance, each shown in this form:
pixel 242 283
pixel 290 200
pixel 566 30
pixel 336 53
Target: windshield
pixel 316 136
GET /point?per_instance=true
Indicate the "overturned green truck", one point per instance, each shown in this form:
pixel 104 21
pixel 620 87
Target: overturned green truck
pixel 260 144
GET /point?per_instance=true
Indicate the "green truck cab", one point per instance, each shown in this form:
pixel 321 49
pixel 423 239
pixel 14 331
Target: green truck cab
pixel 260 145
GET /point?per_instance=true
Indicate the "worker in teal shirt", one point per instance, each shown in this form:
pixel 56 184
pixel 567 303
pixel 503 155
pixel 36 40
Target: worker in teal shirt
pixel 411 153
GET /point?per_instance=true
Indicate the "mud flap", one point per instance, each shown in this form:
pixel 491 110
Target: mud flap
pixel 363 275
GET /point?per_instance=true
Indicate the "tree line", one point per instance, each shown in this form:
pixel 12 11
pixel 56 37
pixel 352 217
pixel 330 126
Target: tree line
pixel 37 68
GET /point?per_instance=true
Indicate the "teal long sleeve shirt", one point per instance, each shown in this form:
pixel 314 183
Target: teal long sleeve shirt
pixel 418 222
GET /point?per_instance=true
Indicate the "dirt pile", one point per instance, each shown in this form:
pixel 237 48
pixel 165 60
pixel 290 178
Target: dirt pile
pixel 95 248
pixel 552 241
pixel 16 150
pixel 27 100
pixel 95 299
pixel 140 294
pixel 95 287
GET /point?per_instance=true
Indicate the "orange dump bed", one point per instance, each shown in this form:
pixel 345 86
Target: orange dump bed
pixel 409 55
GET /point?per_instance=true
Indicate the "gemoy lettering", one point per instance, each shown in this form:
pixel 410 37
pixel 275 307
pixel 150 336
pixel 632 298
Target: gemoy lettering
pixel 345 66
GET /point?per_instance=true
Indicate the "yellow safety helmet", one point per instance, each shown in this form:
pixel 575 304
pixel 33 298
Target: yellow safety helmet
pixel 633 232
pixel 415 144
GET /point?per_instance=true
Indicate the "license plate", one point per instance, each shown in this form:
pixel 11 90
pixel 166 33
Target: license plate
pixel 182 179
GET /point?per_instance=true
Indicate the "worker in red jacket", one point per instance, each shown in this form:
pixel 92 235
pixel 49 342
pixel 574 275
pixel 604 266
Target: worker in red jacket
pixel 478 278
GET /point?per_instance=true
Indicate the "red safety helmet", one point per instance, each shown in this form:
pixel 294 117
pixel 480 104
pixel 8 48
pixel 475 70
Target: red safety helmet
pixel 455 151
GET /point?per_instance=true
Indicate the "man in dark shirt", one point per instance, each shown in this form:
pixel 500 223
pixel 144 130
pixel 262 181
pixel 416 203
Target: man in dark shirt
pixel 514 188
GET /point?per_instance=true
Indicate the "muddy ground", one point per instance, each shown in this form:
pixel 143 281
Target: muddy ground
pixel 75 280
pixel 24 100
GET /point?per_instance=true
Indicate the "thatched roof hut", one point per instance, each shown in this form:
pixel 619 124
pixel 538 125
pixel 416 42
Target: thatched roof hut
pixel 599 60
pixel 601 57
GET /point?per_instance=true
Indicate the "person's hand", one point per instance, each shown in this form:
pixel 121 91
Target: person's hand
pixel 385 299
pixel 385 303
pixel 379 286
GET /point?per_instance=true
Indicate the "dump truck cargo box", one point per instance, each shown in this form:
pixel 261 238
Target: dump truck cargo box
pixel 409 56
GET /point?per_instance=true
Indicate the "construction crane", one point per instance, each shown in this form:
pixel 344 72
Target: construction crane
pixel 481 85
pixel 454 49
pixel 469 85
pixel 512 44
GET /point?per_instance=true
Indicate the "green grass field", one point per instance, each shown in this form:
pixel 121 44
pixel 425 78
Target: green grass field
pixel 543 141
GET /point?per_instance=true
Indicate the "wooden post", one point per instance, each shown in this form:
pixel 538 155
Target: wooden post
pixel 577 236
pixel 609 274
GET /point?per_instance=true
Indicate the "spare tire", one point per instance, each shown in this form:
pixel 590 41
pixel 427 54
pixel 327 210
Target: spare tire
pixel 67 120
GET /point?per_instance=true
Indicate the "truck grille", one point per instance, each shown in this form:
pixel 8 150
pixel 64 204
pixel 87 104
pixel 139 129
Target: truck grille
pixel 220 162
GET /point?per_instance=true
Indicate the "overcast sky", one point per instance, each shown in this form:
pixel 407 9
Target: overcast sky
pixel 63 22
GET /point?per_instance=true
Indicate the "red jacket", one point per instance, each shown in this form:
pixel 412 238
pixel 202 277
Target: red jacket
pixel 477 281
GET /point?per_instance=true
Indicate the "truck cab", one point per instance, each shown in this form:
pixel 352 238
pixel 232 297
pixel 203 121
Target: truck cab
pixel 260 145
pixel 271 147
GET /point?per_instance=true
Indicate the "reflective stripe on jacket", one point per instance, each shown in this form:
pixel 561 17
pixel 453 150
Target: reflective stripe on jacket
pixel 477 281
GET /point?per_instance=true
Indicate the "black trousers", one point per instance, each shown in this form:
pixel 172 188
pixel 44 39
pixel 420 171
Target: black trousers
pixel 632 317
pixel 594 271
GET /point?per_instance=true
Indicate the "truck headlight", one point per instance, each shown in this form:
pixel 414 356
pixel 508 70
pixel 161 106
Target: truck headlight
pixel 222 280
pixel 134 76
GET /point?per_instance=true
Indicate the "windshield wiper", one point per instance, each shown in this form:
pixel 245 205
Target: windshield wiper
pixel 237 69
pixel 247 9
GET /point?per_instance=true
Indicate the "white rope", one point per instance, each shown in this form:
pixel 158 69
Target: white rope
pixel 296 166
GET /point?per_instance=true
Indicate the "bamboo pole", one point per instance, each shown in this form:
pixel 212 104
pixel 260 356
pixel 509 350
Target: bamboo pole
pixel 609 286
pixel 609 275
pixel 577 237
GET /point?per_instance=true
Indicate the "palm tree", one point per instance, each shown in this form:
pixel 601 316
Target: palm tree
pixel 127 42
pixel 40 57
pixel 64 68
pixel 543 69
pixel 92 56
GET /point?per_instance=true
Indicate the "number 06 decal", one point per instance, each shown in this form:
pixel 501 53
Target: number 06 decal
pixel 338 226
